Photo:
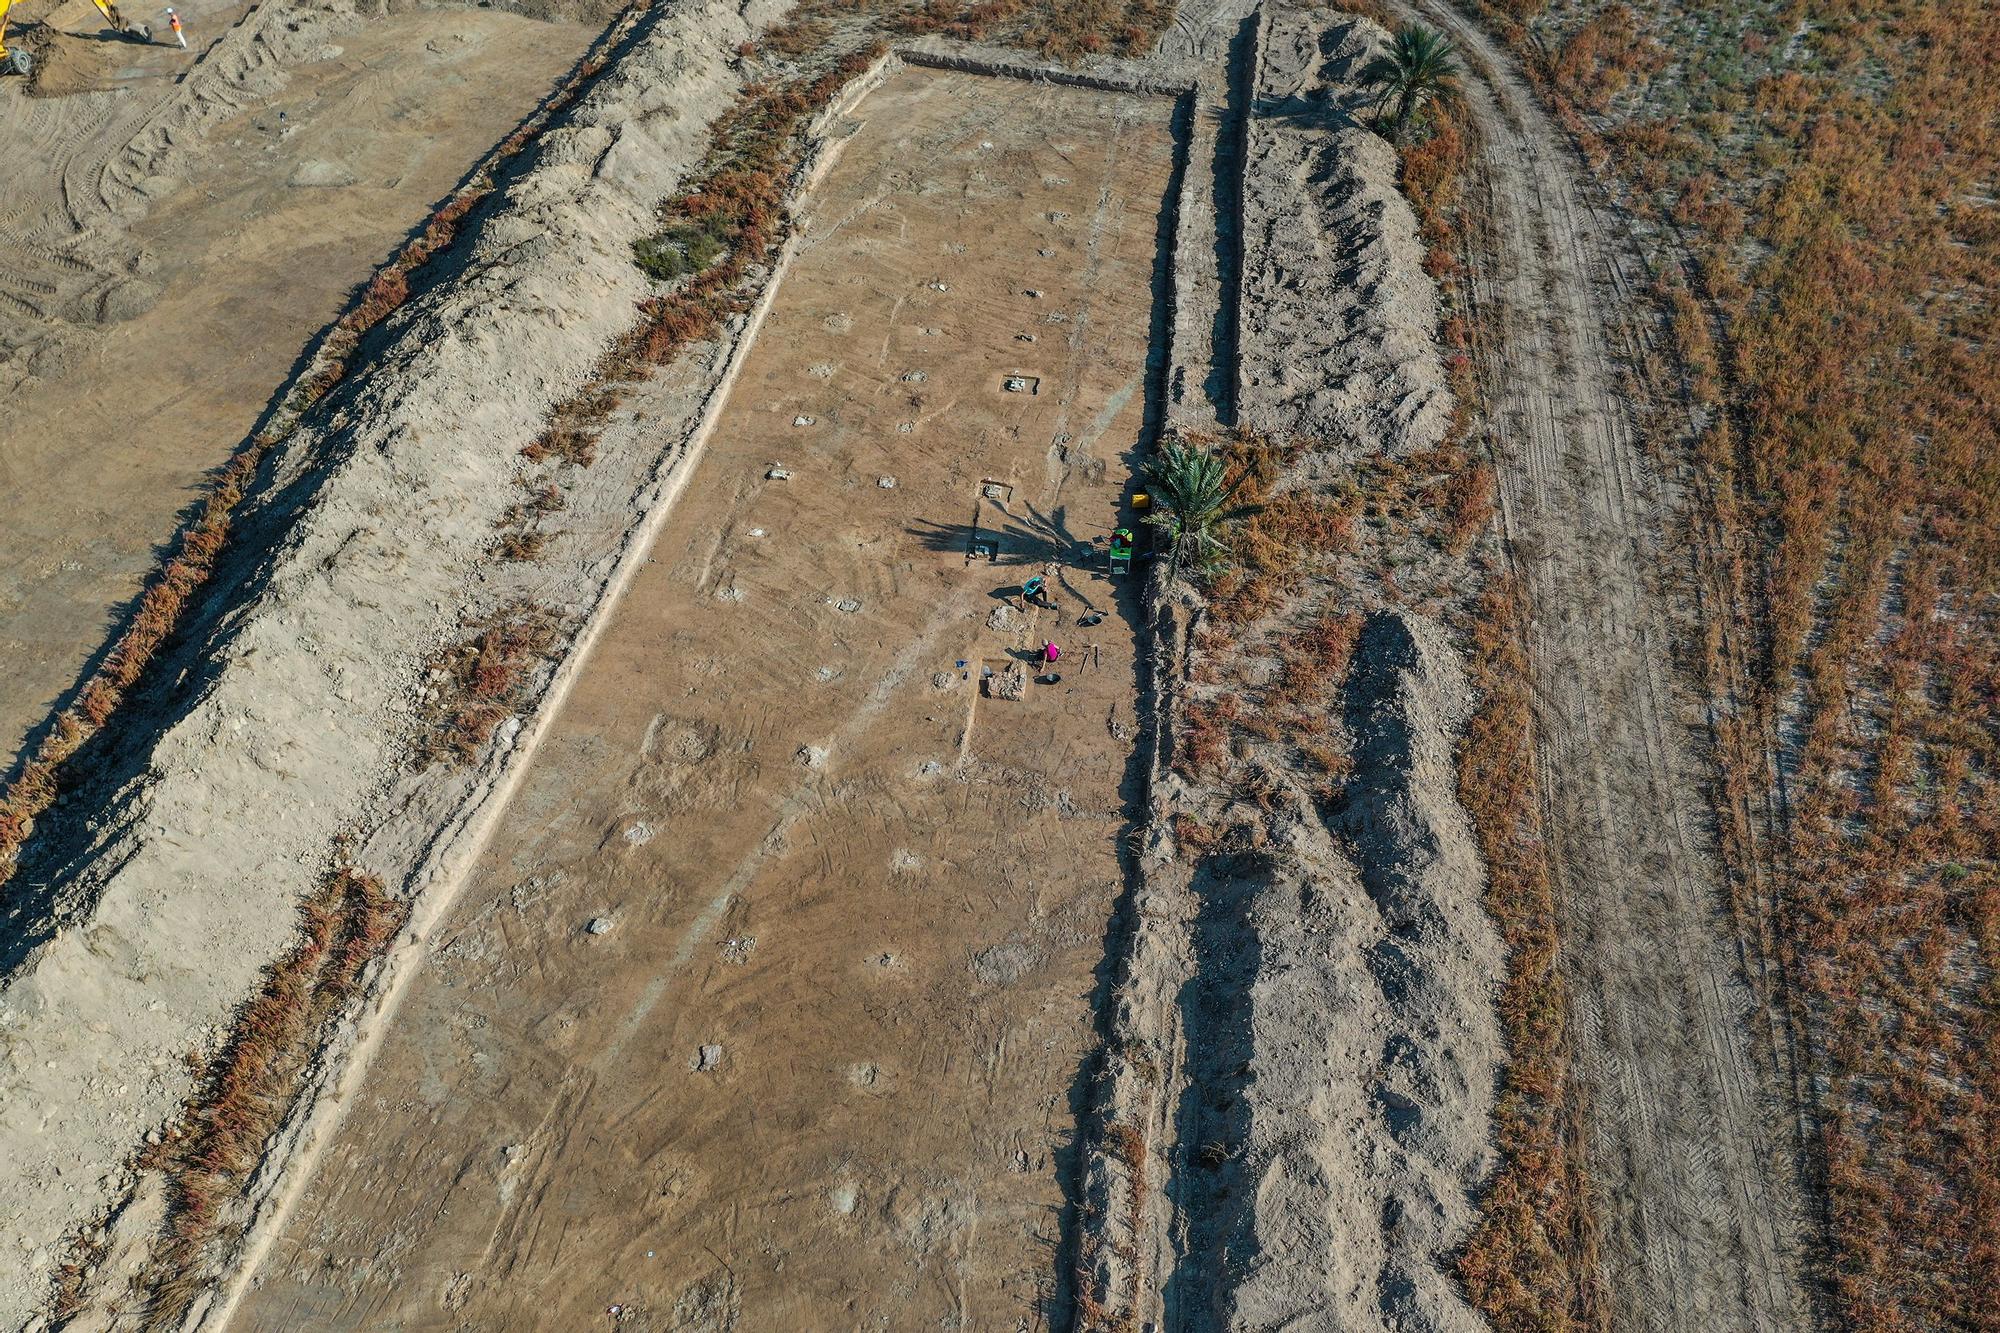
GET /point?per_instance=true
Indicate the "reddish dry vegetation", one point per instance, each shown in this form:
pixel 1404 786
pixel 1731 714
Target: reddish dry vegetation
pixel 1832 292
pixel 38 781
pixel 1290 594
pixel 483 681
pixel 1127 1143
pixel 1059 29
pixel 1531 1263
pixel 251 1087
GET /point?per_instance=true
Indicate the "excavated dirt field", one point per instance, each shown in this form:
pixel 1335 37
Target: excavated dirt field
pixel 142 335
pixel 776 1000
pixel 814 1062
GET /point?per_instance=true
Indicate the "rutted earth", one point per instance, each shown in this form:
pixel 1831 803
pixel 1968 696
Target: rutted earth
pixel 775 994
pixel 171 247
pixel 1691 1140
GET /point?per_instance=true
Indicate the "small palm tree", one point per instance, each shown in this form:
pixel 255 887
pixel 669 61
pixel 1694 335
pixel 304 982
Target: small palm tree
pixel 1421 66
pixel 1199 499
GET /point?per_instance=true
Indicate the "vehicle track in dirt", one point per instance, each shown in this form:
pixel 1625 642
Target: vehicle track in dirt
pixel 1701 1210
pixel 165 264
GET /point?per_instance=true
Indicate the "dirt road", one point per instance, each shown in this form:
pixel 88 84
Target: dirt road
pixel 815 1063
pixel 1689 1145
pixel 156 343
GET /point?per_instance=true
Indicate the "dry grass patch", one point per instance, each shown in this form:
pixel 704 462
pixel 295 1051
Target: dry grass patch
pixel 483 680
pixel 1531 1264
pixel 1829 278
pixel 251 1087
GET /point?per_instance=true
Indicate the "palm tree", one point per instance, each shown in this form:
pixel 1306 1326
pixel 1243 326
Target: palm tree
pixel 1421 66
pixel 1198 496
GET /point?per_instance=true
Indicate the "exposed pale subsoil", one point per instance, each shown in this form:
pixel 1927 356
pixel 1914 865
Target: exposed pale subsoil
pixel 1293 1110
pixel 159 325
pixel 143 913
pixel 819 1067
pixel 1333 283
pixel 1691 1143
pixel 1339 1032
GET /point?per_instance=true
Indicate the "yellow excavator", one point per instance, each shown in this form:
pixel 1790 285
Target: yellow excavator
pixel 16 60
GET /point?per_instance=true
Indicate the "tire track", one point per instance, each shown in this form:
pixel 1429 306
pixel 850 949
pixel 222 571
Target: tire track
pixel 1701 1223
pixel 92 158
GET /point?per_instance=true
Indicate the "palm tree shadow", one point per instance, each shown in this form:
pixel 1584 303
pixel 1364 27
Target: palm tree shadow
pixel 1011 539
pixel 1027 542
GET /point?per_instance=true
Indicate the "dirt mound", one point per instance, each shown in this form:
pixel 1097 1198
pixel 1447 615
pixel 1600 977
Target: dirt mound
pixel 1338 336
pixel 1338 1137
pixel 1295 1103
pixel 1437 961
pixel 289 720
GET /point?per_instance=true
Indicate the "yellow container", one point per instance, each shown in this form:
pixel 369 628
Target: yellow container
pixel 1141 502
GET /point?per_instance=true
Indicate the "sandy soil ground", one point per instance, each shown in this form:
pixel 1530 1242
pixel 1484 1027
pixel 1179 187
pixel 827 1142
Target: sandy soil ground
pixel 1689 1144
pixel 816 1058
pixel 1305 1040
pixel 77 51
pixel 280 211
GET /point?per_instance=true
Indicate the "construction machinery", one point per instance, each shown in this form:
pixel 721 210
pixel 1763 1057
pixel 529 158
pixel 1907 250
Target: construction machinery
pixel 17 60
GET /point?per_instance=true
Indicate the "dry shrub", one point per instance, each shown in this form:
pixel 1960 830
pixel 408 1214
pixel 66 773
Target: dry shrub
pixel 1064 30
pixel 1306 524
pixel 1699 361
pixel 520 546
pixel 1603 56
pixel 37 783
pixel 1195 838
pixel 521 537
pixel 254 1083
pixel 1202 743
pixel 1469 498
pixel 1529 1263
pixel 1312 666
pixel 387 291
pixel 1432 169
pixel 482 681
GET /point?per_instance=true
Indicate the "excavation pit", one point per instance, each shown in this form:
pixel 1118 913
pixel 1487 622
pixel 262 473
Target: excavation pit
pixel 586 1063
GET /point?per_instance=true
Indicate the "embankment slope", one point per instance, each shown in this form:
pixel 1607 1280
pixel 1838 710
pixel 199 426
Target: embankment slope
pixel 152 922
